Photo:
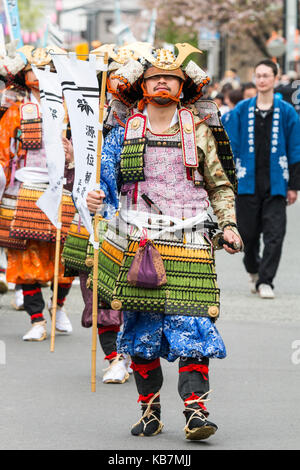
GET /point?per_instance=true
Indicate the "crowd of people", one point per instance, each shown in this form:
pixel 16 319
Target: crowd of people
pixel 173 145
pixel 228 91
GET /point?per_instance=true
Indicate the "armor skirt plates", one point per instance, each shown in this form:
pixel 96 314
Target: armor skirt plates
pixel 174 320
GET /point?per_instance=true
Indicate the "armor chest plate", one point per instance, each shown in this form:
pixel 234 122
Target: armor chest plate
pixel 165 180
pixel 136 140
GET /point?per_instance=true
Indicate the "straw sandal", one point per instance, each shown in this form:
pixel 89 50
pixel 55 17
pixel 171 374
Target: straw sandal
pixel 149 424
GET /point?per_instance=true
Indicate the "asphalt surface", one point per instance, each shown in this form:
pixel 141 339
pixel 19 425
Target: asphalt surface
pixel 46 400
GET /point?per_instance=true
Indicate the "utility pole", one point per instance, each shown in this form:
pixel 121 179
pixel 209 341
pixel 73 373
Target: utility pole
pixel 117 20
pixel 59 9
pixel 92 18
pixel 291 22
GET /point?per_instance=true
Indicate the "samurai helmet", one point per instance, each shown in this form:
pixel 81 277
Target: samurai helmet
pixel 39 56
pixel 152 62
pixel 12 63
pixel 117 55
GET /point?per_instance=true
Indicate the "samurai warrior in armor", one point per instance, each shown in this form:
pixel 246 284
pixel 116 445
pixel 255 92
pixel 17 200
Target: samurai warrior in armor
pixel 25 230
pixel 159 175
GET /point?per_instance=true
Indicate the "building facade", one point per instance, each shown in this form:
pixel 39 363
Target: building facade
pixel 95 20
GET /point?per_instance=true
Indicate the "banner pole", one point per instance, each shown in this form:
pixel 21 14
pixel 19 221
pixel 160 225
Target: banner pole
pixel 55 281
pixel 96 234
pixel 57 258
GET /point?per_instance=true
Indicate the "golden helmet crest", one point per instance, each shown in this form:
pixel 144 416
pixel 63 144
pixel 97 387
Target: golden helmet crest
pixel 119 54
pixel 163 58
pixel 40 56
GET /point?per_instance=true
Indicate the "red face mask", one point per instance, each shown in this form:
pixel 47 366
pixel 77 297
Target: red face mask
pixel 148 98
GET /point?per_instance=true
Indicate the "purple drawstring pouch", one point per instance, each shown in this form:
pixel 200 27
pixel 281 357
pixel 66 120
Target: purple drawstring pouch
pixel 147 268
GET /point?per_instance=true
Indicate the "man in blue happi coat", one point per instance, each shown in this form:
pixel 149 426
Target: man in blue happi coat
pixel 264 132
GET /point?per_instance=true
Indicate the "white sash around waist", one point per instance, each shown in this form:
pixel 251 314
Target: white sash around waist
pixel 160 223
pixel 30 174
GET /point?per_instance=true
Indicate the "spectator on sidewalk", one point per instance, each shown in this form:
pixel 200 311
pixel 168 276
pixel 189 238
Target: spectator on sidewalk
pixel 233 98
pixel 249 90
pixel 219 100
pixel 265 136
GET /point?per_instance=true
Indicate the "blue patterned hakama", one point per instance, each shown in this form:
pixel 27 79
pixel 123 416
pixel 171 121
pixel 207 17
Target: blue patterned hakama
pixel 152 335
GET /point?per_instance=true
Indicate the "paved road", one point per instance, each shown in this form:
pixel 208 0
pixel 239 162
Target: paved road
pixel 46 402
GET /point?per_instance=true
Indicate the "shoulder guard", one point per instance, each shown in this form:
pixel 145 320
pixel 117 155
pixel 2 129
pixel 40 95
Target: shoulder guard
pixel 134 146
pixel 208 110
pixel 116 114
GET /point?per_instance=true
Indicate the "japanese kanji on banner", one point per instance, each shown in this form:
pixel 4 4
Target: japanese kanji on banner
pixel 53 117
pixel 81 91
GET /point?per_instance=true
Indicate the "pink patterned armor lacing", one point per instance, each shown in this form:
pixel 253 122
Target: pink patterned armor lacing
pixel 166 182
pixel 37 158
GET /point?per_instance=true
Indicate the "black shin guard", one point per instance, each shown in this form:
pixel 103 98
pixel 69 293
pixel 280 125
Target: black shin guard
pixel 193 377
pixel 33 301
pixel 108 341
pixel 193 387
pixel 62 292
pixel 148 375
pixel 148 378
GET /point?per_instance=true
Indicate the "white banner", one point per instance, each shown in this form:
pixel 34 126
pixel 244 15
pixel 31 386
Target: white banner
pixel 53 114
pixel 81 91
